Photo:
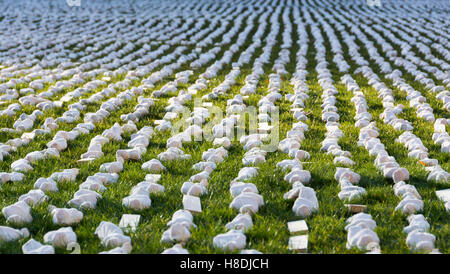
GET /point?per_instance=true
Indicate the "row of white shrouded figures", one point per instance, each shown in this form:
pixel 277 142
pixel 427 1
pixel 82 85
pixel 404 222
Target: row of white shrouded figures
pixel 361 236
pixel 245 195
pixel 418 238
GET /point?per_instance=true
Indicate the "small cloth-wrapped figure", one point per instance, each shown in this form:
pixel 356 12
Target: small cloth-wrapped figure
pixel 306 202
pixel 237 188
pixel 179 227
pixel 21 165
pixel 93 185
pixel 230 241
pixel 111 235
pixel 205 166
pixel 139 198
pixel 246 173
pixel 362 219
pixel 67 175
pixel 250 251
pixel 111 167
pixel 299 154
pixel 360 232
pixel 421 241
pixel 350 192
pixel 61 238
pixel 65 216
pixel 176 249
pixel 400 174
pixel 149 186
pixel 249 200
pixel 59 143
pixel 182 216
pixel 173 153
pixel 177 232
pixel 153 166
pixel 8 234
pixel 361 237
pixel 35 247
pixel 137 201
pixel 34 156
pixel 438 174
pixel 298 175
pixel 201 176
pixel 343 160
pixel 194 189
pixel 288 144
pixel 410 204
pixel 18 213
pixel 417 222
pixel 348 174
pixel 401 189
pixel 290 164
pixel 34 197
pixel 241 222
pixel 224 141
pixel 46 184
pixel 113 133
pixel 124 249
pixel 85 198
pixel 129 154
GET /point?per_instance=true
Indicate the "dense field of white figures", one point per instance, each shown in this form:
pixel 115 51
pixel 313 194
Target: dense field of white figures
pixel 247 127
